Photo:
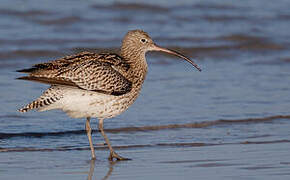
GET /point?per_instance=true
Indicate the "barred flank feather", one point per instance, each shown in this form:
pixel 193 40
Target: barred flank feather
pixel 50 96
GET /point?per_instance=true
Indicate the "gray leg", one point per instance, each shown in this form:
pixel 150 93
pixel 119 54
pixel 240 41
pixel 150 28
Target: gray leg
pixel 113 154
pixel 89 133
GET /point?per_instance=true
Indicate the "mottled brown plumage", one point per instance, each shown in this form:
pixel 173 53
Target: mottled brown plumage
pixel 96 85
pixel 90 71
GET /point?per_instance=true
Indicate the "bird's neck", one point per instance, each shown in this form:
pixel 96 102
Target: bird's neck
pixel 138 65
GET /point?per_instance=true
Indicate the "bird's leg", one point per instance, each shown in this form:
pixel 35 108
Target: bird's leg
pixel 89 133
pixel 113 154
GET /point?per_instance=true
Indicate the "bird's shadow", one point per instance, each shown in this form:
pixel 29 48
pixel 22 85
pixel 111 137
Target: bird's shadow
pixel 92 169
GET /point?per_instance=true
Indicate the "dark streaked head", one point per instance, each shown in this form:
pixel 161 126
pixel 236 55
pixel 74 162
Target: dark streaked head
pixel 138 41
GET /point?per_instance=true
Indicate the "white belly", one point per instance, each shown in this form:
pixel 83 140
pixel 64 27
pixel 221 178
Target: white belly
pixel 79 103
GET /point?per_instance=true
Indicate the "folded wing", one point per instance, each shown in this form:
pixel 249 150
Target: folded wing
pixel 89 71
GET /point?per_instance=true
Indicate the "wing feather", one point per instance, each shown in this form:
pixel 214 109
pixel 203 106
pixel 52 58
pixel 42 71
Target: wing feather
pixel 94 72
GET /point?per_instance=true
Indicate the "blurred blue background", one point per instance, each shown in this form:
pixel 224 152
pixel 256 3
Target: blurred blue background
pixel 242 47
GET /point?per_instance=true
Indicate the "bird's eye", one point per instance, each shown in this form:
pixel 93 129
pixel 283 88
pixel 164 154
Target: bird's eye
pixel 143 40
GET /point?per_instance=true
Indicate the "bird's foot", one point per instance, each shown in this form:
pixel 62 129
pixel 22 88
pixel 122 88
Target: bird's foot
pixel 114 155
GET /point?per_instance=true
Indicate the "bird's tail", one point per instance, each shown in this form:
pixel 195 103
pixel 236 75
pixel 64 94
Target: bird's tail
pixel 50 96
pixel 29 106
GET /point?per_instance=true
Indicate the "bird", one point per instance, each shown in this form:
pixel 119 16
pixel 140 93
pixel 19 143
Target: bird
pixel 96 85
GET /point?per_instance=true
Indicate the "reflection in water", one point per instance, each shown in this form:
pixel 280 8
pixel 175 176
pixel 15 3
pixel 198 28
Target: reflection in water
pixel 109 171
pixel 92 168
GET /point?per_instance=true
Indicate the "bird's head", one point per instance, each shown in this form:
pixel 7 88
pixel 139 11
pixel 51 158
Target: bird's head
pixel 138 41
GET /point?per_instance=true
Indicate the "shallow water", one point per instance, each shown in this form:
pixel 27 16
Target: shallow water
pixel 230 121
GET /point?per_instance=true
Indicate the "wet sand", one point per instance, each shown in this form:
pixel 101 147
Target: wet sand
pixel 231 155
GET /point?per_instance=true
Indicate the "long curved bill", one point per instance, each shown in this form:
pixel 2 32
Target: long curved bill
pixel 157 48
